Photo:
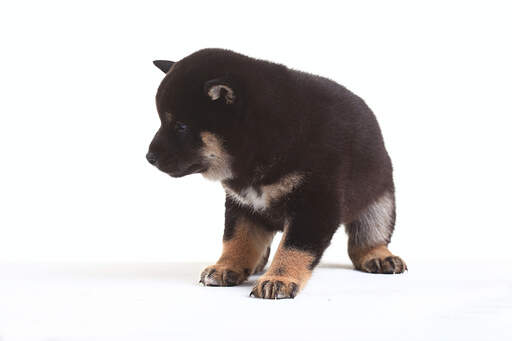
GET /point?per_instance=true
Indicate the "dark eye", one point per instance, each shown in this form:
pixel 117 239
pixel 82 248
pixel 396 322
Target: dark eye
pixel 180 127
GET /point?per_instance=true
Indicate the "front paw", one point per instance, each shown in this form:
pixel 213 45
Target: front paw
pixel 222 275
pixel 275 287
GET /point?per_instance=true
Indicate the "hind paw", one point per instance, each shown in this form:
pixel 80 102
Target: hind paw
pixel 387 265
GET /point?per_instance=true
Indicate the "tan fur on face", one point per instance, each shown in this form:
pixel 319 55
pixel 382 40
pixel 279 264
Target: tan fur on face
pixel 219 161
pixel 247 247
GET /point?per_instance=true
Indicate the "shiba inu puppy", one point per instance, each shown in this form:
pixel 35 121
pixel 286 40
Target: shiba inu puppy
pixel 294 152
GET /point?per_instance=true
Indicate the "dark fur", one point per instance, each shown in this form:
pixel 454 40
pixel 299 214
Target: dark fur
pixel 281 121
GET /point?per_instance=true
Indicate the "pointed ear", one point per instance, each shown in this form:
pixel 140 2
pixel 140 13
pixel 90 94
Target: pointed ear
pixel 221 89
pixel 164 65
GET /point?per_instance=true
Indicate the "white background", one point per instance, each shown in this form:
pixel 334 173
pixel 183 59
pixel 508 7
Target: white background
pixel 77 113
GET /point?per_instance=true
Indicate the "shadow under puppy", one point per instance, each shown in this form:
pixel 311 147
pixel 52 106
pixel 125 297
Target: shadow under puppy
pixel 294 152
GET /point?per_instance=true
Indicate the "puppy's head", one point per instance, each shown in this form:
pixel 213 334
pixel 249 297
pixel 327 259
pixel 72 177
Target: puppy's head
pixel 197 109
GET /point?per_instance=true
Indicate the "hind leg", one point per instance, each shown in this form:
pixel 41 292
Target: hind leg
pixel 369 235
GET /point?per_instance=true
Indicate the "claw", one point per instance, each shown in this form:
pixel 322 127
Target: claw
pixel 277 289
pixel 294 290
pixel 264 289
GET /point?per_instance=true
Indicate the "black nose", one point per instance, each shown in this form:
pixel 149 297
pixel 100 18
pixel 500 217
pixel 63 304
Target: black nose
pixel 151 158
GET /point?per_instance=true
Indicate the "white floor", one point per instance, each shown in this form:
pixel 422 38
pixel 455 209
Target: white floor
pixel 163 301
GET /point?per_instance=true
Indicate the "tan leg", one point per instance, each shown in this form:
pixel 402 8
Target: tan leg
pixel 287 275
pixel 242 255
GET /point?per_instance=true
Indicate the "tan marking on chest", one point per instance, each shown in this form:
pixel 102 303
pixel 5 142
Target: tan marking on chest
pixel 262 197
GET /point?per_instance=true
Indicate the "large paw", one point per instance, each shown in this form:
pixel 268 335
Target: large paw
pixel 221 275
pixel 275 287
pixel 387 265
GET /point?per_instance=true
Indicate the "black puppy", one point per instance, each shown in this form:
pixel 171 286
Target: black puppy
pixel 294 152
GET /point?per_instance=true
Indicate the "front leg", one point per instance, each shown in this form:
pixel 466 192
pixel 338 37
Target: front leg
pixel 289 272
pixel 246 246
pixel 307 234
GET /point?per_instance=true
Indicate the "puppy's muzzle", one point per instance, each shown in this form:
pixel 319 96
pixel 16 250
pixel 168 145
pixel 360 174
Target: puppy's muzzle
pixel 151 157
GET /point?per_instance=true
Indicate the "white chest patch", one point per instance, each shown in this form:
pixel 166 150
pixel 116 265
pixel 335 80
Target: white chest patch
pixel 250 197
pixel 262 197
